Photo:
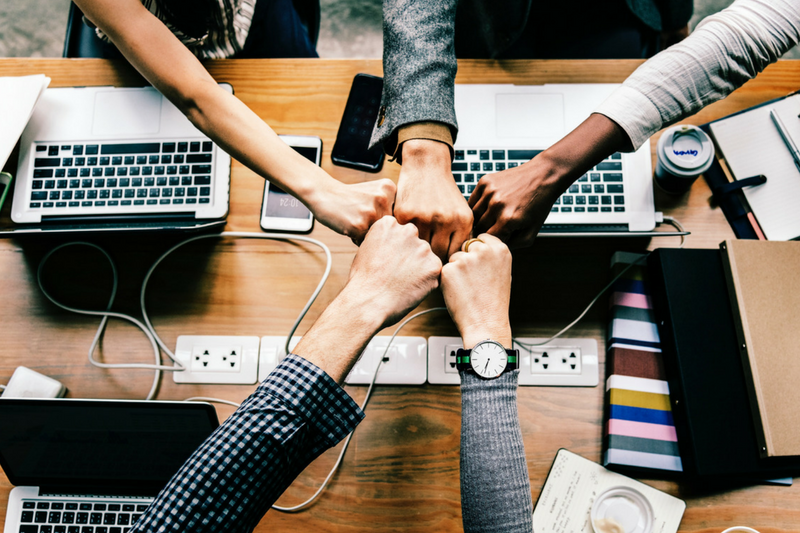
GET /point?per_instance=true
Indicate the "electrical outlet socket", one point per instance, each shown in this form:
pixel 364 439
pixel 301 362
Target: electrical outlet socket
pixel 560 363
pixel 406 365
pixel 555 360
pixel 217 359
pixel 554 369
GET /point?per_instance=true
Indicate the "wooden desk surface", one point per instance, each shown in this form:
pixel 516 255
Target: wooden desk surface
pixel 401 472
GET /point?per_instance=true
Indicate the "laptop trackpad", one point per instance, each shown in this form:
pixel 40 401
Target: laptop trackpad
pixel 127 113
pixel 530 115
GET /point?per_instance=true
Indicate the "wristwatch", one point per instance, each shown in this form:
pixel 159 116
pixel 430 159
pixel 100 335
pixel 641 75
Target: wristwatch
pixel 488 359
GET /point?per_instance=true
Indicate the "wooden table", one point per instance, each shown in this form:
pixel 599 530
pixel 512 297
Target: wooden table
pixel 401 472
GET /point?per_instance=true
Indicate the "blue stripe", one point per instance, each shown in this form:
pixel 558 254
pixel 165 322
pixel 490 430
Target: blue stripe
pixel 640 414
pixel 630 285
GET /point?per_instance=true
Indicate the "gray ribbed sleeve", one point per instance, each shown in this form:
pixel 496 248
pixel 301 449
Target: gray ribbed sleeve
pixel 495 487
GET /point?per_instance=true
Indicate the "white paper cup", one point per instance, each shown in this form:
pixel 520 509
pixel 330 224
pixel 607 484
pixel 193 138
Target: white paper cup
pixel 682 154
pixel 740 529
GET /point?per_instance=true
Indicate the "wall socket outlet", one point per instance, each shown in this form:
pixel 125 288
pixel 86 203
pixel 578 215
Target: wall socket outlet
pixel 562 362
pixel 217 359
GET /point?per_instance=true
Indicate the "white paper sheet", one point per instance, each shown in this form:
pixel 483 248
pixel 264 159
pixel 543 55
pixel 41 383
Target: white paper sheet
pixel 752 145
pixel 18 97
pixel 571 487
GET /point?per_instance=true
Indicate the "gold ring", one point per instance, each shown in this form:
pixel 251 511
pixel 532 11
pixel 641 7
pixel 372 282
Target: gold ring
pixel 465 246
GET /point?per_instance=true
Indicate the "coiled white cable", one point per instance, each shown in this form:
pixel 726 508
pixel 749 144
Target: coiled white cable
pixel 106 314
pixel 147 327
pixel 244 235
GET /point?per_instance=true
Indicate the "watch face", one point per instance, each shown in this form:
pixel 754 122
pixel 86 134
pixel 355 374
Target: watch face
pixel 488 359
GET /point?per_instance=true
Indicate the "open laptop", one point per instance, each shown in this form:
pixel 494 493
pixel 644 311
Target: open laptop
pixel 106 158
pixel 503 126
pixel 93 465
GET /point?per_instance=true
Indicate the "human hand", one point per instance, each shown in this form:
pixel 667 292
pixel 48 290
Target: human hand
pixel 393 270
pixel 477 289
pixel 513 204
pixel 352 209
pixel 428 197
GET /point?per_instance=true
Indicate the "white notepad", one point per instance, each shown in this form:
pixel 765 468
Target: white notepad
pixel 574 483
pixel 751 145
pixel 18 97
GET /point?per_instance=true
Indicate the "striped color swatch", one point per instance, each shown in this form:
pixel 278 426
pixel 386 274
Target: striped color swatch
pixel 639 431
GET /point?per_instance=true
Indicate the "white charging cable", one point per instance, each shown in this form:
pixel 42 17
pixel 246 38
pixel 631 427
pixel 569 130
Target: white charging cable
pixel 301 506
pixel 244 235
pixel 106 314
pixel 147 327
pixel 669 220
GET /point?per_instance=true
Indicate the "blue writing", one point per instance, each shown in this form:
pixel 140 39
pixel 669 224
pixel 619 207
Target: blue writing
pixel 685 152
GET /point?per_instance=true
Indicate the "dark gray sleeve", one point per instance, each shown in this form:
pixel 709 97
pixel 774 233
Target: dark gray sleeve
pixel 419 66
pixel 495 487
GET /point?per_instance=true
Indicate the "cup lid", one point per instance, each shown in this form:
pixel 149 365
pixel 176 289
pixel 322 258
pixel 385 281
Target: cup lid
pixel 622 510
pixel 688 148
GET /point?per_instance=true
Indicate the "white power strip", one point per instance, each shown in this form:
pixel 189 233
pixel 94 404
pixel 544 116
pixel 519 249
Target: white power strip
pixel 562 362
pixel 406 365
pixel 410 361
pixel 271 353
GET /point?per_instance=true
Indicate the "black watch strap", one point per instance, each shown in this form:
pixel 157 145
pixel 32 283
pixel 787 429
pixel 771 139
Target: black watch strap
pixel 463 361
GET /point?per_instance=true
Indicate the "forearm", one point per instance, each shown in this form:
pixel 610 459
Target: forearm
pixel 240 132
pixel 172 69
pixel 725 51
pixel 593 140
pixel 341 334
pixel 419 65
pixel 495 487
pixel 231 481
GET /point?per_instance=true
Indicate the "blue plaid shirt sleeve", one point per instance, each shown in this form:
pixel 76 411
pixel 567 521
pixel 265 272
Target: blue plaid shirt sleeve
pixel 234 477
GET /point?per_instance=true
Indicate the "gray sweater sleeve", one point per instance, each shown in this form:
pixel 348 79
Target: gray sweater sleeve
pixel 725 51
pixel 495 487
pixel 419 66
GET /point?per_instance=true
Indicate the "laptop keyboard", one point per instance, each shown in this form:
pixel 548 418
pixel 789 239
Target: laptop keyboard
pixel 598 191
pixel 121 177
pixel 78 517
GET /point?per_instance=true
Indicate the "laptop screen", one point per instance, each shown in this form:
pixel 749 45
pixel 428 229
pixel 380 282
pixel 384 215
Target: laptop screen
pixel 106 446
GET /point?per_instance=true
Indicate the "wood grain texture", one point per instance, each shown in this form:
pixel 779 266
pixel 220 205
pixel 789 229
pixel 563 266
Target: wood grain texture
pixel 401 473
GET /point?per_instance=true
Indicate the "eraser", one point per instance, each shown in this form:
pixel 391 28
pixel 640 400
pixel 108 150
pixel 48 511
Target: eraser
pixel 27 383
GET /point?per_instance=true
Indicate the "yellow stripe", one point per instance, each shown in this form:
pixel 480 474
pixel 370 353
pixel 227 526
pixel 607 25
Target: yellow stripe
pixel 646 400
pixel 635 273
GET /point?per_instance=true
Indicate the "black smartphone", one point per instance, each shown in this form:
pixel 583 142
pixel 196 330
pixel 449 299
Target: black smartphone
pixel 360 114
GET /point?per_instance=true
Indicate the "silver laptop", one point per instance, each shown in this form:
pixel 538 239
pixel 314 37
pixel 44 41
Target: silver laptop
pixel 93 465
pixel 503 126
pixel 117 157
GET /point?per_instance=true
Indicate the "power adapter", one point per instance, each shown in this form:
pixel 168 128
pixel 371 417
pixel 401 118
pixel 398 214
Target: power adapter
pixel 27 383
